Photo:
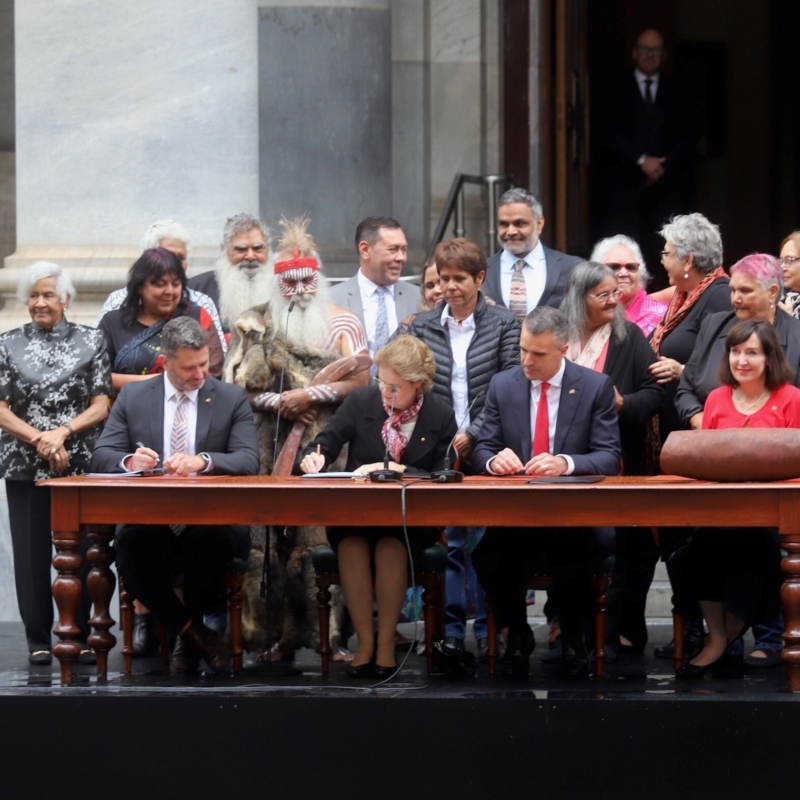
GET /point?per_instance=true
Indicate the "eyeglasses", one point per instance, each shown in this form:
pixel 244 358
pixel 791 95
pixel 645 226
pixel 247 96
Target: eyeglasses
pixel 256 248
pixel 382 385
pixel 632 267
pixel 604 297
pixel 787 261
pixel 665 254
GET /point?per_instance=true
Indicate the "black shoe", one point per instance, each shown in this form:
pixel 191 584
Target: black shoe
pixel 86 656
pixel 693 672
pixel 145 635
pixel 516 659
pixel 183 662
pixel 574 661
pixel 202 642
pixel 694 636
pixel 361 671
pixel 773 659
pixel 452 656
pixel 40 658
pixel 384 672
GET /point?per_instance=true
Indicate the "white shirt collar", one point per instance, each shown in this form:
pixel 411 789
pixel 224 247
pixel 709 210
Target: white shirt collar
pixel 469 322
pixel 368 287
pixel 170 391
pixel 641 78
pixel 556 380
pixel 536 256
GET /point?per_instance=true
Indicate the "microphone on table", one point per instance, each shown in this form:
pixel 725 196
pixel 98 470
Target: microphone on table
pixel 280 386
pixel 448 475
pixel 385 475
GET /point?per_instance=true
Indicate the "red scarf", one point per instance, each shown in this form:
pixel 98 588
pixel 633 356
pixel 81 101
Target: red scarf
pixel 679 307
pixel 393 435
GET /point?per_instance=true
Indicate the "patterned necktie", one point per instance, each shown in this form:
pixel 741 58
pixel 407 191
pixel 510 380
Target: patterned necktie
pixel 381 324
pixel 179 440
pixel 541 435
pixel 518 301
pixel 648 94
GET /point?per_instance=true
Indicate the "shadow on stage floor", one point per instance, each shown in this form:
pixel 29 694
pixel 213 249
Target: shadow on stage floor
pixel 305 734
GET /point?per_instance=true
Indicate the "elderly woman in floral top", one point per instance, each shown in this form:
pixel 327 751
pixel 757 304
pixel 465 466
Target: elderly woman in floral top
pixel 55 380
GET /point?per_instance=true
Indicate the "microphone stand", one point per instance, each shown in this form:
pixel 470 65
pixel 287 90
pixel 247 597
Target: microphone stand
pixel 386 475
pixel 269 668
pixel 448 475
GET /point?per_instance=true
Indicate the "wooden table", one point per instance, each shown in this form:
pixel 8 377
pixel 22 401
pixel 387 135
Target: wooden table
pixel 95 505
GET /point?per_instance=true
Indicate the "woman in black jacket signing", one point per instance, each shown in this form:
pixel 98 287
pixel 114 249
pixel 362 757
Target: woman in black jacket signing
pixel 471 342
pixel 603 340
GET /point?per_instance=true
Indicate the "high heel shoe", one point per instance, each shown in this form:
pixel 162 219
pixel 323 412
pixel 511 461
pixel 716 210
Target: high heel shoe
pixel 384 672
pixel 695 672
pixel 361 671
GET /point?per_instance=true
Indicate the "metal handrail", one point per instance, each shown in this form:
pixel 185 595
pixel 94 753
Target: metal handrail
pixel 454 207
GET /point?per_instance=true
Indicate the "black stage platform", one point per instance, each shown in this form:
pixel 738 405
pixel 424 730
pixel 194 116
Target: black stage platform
pixel 636 734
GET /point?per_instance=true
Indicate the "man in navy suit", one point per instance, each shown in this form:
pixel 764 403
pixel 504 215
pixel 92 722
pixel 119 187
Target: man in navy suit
pixel 525 274
pixel 547 417
pixel 192 426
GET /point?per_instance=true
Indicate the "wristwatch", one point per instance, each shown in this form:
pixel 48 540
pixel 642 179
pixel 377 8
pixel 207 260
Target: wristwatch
pixel 207 458
pixel 640 160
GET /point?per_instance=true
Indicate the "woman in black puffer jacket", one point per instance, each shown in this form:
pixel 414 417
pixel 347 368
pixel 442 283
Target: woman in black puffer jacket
pixel 471 342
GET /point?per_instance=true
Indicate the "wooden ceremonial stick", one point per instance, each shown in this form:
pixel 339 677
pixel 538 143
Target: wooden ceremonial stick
pixel 335 371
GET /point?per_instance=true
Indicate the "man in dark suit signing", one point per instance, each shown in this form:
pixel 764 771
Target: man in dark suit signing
pixel 192 425
pixel 525 274
pixel 547 417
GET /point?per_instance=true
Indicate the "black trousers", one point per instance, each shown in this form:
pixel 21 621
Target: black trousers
pixel 571 552
pixel 148 555
pixel 32 542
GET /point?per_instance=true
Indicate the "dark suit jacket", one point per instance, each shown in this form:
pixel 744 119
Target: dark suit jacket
pixel 586 429
pixel 359 422
pixel 701 374
pixel 627 365
pixel 225 427
pixel 558 264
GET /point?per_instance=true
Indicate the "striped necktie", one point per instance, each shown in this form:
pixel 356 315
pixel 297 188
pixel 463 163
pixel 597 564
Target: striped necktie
pixel 518 301
pixel 179 440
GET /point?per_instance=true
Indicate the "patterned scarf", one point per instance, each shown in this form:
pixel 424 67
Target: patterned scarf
pixel 594 348
pixel 679 307
pixel 393 435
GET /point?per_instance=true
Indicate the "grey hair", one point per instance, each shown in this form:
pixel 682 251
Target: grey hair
pixel 40 270
pixel 182 332
pixel 582 279
pixel 621 240
pixel 520 195
pixel 165 229
pixel 693 235
pixel 543 319
pixel 242 223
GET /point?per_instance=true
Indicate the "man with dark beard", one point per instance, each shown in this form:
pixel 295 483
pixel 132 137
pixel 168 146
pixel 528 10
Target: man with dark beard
pixel 240 280
pixel 277 351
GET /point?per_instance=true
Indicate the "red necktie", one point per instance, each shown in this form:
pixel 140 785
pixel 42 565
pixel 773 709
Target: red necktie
pixel 541 435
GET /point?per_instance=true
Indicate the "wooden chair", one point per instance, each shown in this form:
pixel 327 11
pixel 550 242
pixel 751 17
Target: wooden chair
pixel 429 574
pixel 535 575
pixel 234 580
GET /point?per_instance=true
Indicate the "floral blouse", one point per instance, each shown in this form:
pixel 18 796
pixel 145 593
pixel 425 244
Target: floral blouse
pixel 48 378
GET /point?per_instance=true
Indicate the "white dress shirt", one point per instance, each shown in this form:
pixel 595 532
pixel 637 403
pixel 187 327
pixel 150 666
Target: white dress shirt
pixel 641 78
pixel 534 272
pixel 369 302
pixel 553 403
pixel 460 338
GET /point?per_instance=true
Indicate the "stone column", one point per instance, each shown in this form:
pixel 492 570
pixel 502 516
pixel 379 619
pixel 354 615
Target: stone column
pixel 127 113
pixel 326 117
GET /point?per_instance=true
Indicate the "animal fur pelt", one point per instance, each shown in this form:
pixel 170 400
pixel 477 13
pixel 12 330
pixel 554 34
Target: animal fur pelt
pixel 254 361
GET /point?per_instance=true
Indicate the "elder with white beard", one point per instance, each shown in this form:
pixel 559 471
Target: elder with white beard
pixel 241 277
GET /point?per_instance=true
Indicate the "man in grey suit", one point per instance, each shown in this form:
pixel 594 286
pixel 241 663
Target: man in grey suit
pixel 192 425
pixel 525 274
pixel 375 292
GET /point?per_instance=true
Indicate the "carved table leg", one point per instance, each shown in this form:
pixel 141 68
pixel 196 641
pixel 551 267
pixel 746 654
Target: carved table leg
pixel 126 612
pixel 790 596
pixel 235 597
pixel 324 612
pixel 491 633
pixel 67 593
pixel 600 586
pixel 101 582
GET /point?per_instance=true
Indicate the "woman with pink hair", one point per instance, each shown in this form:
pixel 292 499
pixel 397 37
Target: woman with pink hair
pixel 756 287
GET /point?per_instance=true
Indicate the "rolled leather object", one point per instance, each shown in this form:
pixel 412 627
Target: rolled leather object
pixel 733 454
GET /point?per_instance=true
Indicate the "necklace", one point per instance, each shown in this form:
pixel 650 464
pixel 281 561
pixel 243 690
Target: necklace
pixel 745 410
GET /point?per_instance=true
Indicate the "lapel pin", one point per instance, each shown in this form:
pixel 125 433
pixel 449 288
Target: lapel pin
pixel 572 391
pixel 208 399
pixel 422 438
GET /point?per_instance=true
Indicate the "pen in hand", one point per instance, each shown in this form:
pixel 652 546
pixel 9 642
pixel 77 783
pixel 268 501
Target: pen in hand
pixel 142 445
